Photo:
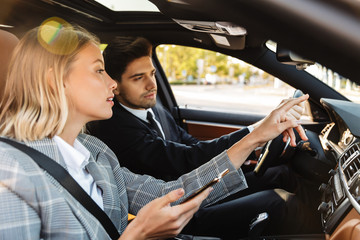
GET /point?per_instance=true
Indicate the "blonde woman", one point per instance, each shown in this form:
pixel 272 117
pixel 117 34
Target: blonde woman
pixel 55 85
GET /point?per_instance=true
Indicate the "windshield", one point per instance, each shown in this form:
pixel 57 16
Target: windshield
pixel 341 84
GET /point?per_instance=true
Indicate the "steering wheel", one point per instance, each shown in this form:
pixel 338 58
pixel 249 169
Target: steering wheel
pixel 273 149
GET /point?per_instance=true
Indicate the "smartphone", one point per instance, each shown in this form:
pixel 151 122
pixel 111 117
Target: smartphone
pixel 209 184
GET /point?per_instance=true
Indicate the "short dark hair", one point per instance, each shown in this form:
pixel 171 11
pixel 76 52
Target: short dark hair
pixel 122 51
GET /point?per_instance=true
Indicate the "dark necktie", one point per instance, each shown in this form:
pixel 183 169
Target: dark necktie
pixel 153 124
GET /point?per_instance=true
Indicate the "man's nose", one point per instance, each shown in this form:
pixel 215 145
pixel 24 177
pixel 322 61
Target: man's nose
pixel 150 82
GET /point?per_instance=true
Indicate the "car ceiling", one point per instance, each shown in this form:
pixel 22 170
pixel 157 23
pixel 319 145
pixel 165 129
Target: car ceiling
pixel 301 25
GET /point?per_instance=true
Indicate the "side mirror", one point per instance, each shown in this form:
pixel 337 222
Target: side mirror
pixel 286 56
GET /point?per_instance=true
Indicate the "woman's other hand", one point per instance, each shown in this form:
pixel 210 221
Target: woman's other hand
pixel 159 220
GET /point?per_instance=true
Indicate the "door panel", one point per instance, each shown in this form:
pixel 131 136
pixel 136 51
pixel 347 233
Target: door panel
pixel 207 131
pixel 206 125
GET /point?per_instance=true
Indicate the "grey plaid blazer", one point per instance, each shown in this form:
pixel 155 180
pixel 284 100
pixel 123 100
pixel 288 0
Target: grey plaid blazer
pixel 35 206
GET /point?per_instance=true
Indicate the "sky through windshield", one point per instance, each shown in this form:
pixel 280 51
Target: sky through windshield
pixel 126 5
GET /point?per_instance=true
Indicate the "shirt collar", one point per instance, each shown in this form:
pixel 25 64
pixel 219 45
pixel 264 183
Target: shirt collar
pixel 76 157
pixel 139 113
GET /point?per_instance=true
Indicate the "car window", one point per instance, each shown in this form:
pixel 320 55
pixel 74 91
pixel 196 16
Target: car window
pixel 202 79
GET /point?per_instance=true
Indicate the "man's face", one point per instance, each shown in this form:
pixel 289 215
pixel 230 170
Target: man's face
pixel 137 88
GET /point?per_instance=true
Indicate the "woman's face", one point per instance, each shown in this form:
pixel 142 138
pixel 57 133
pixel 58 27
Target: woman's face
pixel 88 87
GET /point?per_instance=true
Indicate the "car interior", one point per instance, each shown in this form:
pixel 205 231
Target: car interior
pixel 306 32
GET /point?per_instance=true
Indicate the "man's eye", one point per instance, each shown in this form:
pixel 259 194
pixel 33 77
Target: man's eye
pixel 101 70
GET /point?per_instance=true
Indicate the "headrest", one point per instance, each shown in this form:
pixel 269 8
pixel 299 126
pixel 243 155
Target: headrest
pixel 8 42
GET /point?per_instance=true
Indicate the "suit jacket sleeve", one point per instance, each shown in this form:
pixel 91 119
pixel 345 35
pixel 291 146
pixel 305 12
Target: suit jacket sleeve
pixel 18 219
pixel 140 149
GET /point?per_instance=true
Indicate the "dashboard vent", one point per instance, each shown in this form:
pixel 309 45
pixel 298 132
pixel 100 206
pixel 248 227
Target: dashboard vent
pixel 351 162
pixel 327 129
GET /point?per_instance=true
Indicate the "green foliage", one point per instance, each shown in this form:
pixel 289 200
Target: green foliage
pixel 180 64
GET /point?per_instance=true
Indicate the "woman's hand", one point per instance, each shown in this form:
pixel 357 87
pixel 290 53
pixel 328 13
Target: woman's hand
pixel 282 120
pixel 159 220
pixel 278 121
pixel 294 113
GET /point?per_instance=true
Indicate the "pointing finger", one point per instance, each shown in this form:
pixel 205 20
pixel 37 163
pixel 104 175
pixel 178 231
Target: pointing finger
pixel 292 102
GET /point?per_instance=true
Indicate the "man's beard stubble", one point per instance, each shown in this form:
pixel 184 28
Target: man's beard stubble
pixel 142 104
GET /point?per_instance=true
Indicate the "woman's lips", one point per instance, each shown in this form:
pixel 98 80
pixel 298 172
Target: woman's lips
pixel 110 100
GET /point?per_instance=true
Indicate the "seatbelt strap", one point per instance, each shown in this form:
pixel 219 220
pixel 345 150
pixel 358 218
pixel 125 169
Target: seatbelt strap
pixel 68 182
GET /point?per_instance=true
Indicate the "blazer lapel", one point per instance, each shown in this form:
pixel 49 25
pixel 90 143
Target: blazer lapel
pixel 161 117
pixel 49 148
pixel 100 174
pixel 103 178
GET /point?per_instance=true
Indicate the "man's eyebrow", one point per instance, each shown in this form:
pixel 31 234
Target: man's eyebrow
pixel 141 74
pixel 136 75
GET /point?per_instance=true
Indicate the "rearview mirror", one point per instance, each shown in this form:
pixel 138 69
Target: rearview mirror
pixel 286 56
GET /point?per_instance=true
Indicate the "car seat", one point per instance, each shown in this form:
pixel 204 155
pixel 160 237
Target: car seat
pixel 8 41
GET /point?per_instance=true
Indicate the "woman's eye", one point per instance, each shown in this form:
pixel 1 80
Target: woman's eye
pixel 101 70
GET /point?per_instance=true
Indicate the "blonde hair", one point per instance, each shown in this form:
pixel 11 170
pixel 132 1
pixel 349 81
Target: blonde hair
pixel 34 105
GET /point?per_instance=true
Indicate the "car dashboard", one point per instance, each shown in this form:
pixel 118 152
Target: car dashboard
pixel 340 140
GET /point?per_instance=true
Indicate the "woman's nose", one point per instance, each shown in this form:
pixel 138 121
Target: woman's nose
pixel 112 82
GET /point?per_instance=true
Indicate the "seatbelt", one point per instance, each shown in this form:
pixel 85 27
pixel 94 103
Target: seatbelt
pixel 68 182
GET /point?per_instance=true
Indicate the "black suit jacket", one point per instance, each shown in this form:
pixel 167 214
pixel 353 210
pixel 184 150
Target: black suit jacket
pixel 139 148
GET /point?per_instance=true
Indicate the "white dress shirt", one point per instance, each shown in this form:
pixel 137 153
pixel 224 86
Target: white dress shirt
pixel 76 158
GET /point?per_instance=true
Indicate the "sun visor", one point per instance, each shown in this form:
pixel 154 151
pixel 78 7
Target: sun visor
pixel 229 42
pixel 226 28
pixel 224 34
